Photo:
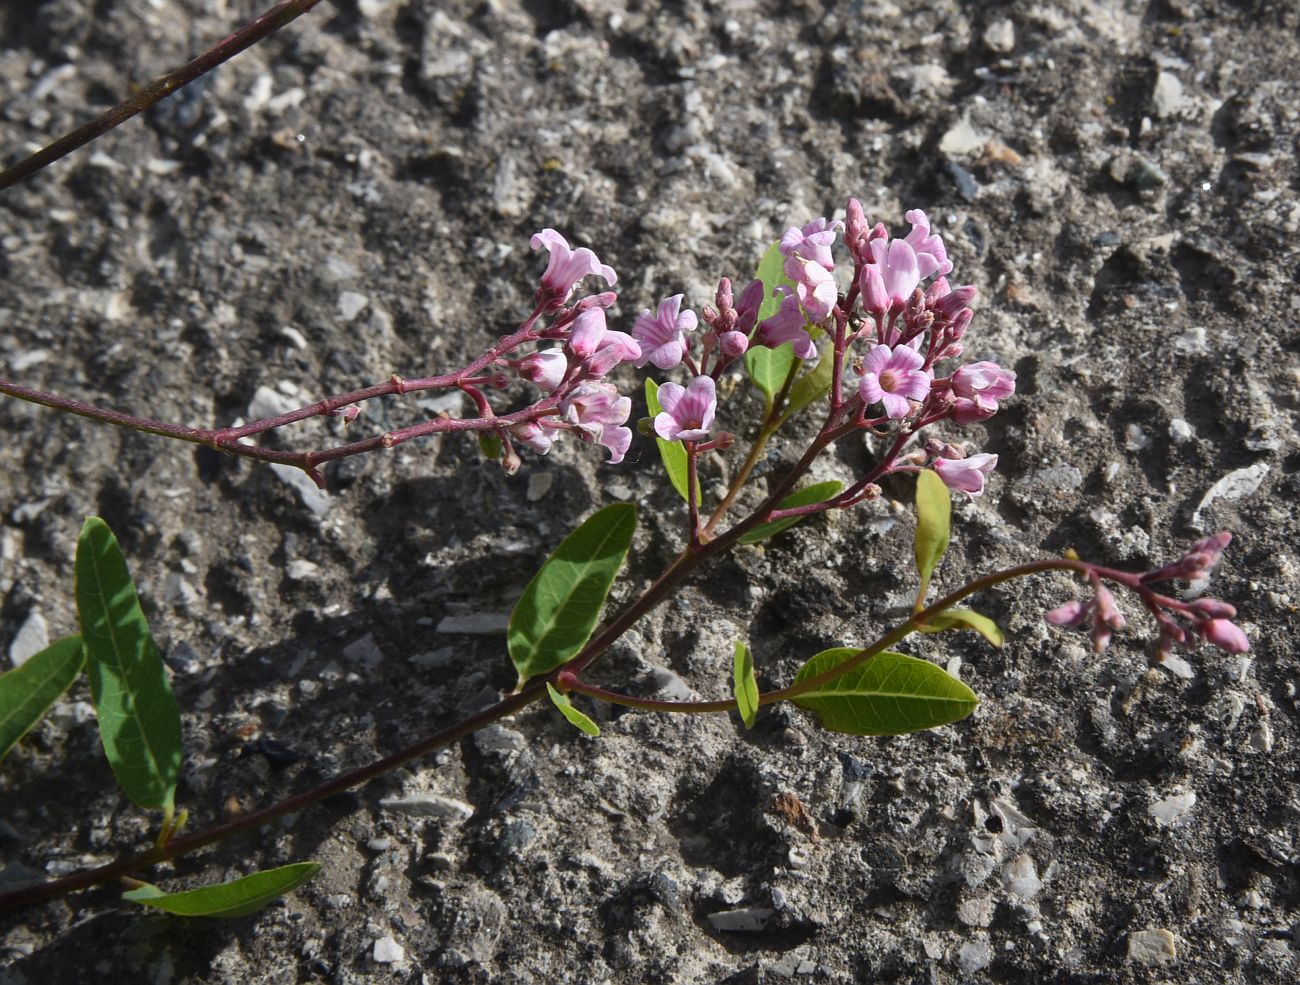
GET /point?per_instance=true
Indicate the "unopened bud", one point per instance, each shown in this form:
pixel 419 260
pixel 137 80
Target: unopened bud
pixel 1227 636
pixel 499 380
pixel 723 295
pixel 724 440
pixel 733 344
pixel 1214 609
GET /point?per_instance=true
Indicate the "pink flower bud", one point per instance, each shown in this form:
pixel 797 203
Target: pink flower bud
pixel 954 302
pixel 733 344
pixel 856 231
pixel 751 299
pixel 1070 614
pixel 1227 636
pixel 587 332
pixel 724 296
pixel 875 300
pixel 967 474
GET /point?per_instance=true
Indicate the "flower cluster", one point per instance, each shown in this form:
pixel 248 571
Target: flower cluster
pixel 1179 622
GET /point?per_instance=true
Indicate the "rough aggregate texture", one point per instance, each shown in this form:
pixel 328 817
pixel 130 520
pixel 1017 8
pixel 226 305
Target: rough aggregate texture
pixel 353 198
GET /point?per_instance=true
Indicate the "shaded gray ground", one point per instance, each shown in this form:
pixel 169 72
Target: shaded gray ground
pixel 1119 180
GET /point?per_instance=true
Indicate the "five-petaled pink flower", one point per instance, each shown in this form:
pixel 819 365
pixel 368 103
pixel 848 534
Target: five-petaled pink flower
pixel 663 334
pixel 595 410
pixel 812 242
pixel 894 377
pixel 815 286
pixel 568 266
pixel 966 475
pixel 614 348
pixel 687 413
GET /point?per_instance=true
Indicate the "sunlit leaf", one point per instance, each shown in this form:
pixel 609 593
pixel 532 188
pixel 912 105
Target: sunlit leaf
pixel 576 718
pixel 818 492
pixel 139 722
pixel 812 386
pixel 964 619
pixel 745 685
pixel 933 522
pixel 237 898
pixel 26 692
pixel 561 605
pixel 888 695
pixel 673 453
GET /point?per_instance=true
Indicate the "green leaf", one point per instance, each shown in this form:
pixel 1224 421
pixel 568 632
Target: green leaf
pixel 26 692
pixel 576 718
pixel 964 619
pixel 768 368
pixel 818 492
pixel 888 695
pixel 561 605
pixel 746 685
pixel 933 522
pixel 672 452
pixel 237 898
pixel 812 386
pixel 139 723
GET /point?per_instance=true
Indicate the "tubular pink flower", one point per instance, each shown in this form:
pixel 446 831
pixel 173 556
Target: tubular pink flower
pixel 545 368
pixel 899 271
pixel 687 413
pixel 1227 636
pixel 567 266
pixel 894 377
pixel 614 348
pixel 1197 564
pixel 815 286
pixel 587 332
pixel 663 334
pixel 966 474
pixel 812 243
pixel 984 380
pixel 1070 614
pixel 931 254
pixel 751 299
pixel 786 326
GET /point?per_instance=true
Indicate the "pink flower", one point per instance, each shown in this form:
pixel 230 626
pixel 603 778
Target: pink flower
pixel 786 326
pixel 1197 564
pixel 978 387
pixel 663 334
pixel 894 377
pixel 1227 636
pixel 614 348
pixel 813 242
pixel 856 230
pixel 931 254
pixel 1106 617
pixel 875 299
pixel 687 413
pixel 532 435
pixel 567 266
pixel 815 286
pixel 966 474
pixel 595 410
pixel 751 299
pixel 545 368
pixel 899 271
pixel 733 344
pixel 1070 614
pixel 587 332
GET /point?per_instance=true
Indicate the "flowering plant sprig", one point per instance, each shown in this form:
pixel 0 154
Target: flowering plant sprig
pixel 879 358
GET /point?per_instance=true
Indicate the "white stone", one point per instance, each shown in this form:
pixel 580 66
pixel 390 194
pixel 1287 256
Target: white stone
pixel 1233 486
pixel 1168 97
pixel 974 956
pixel 33 636
pixel 1169 810
pixel 387 951
pixel 1152 946
pixel 1021 878
pixel 300 569
pixel 352 304
pixel 429 805
pixel 539 484
pixel 313 496
pixel 1000 36
pixel 962 139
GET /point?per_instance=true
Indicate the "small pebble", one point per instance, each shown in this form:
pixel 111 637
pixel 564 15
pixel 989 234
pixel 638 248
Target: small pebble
pixel 388 951
pixel 1152 947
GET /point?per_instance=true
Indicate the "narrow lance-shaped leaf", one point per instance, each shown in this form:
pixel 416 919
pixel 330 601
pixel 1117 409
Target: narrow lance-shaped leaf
pixel 818 492
pixel 139 722
pixel 964 619
pixel 888 695
pixel 576 718
pixel 768 368
pixel 812 386
pixel 237 898
pixel 933 522
pixel 745 685
pixel 559 609
pixel 27 691
pixel 673 453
